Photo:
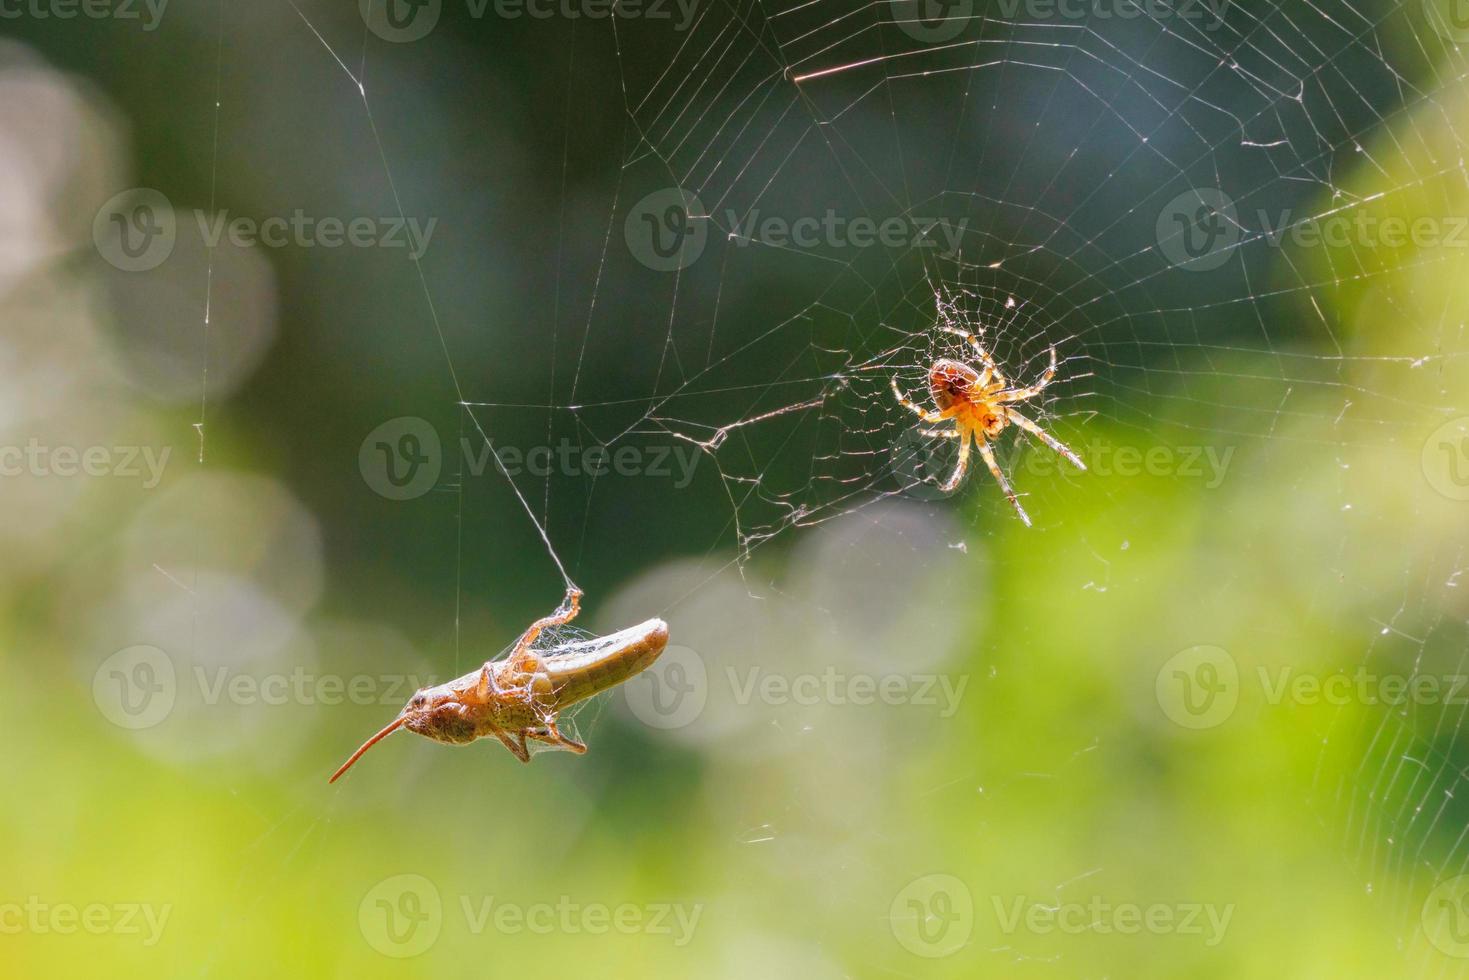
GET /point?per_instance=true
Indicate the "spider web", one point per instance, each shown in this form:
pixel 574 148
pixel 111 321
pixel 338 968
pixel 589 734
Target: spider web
pixel 1040 166
pixel 1123 191
pixel 1132 193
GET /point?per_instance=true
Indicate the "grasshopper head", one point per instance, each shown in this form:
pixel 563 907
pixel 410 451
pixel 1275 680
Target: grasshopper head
pixel 437 713
pixel 433 712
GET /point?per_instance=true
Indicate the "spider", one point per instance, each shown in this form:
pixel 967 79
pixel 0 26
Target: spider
pixel 978 403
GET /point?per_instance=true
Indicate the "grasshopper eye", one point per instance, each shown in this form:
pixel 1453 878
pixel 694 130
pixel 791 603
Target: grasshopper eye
pixel 417 701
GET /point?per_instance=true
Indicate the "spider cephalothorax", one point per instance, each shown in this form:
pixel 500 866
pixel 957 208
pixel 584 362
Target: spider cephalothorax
pixel 978 403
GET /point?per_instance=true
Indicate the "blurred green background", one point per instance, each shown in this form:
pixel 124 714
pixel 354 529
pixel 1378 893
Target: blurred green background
pixel 896 733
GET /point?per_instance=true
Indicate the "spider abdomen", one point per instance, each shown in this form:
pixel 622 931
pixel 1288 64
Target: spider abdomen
pixel 952 382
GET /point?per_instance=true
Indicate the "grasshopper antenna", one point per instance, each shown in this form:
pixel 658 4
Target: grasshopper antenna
pixel 397 723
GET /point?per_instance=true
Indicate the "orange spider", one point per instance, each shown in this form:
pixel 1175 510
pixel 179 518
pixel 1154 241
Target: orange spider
pixel 978 405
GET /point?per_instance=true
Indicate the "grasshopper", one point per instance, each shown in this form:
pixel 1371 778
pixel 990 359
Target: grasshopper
pixel 521 696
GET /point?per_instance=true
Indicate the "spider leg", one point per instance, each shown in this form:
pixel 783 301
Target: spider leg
pixel 1021 394
pixel 989 362
pixel 939 433
pixel 989 460
pixel 952 483
pixel 1044 437
pixel 916 409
